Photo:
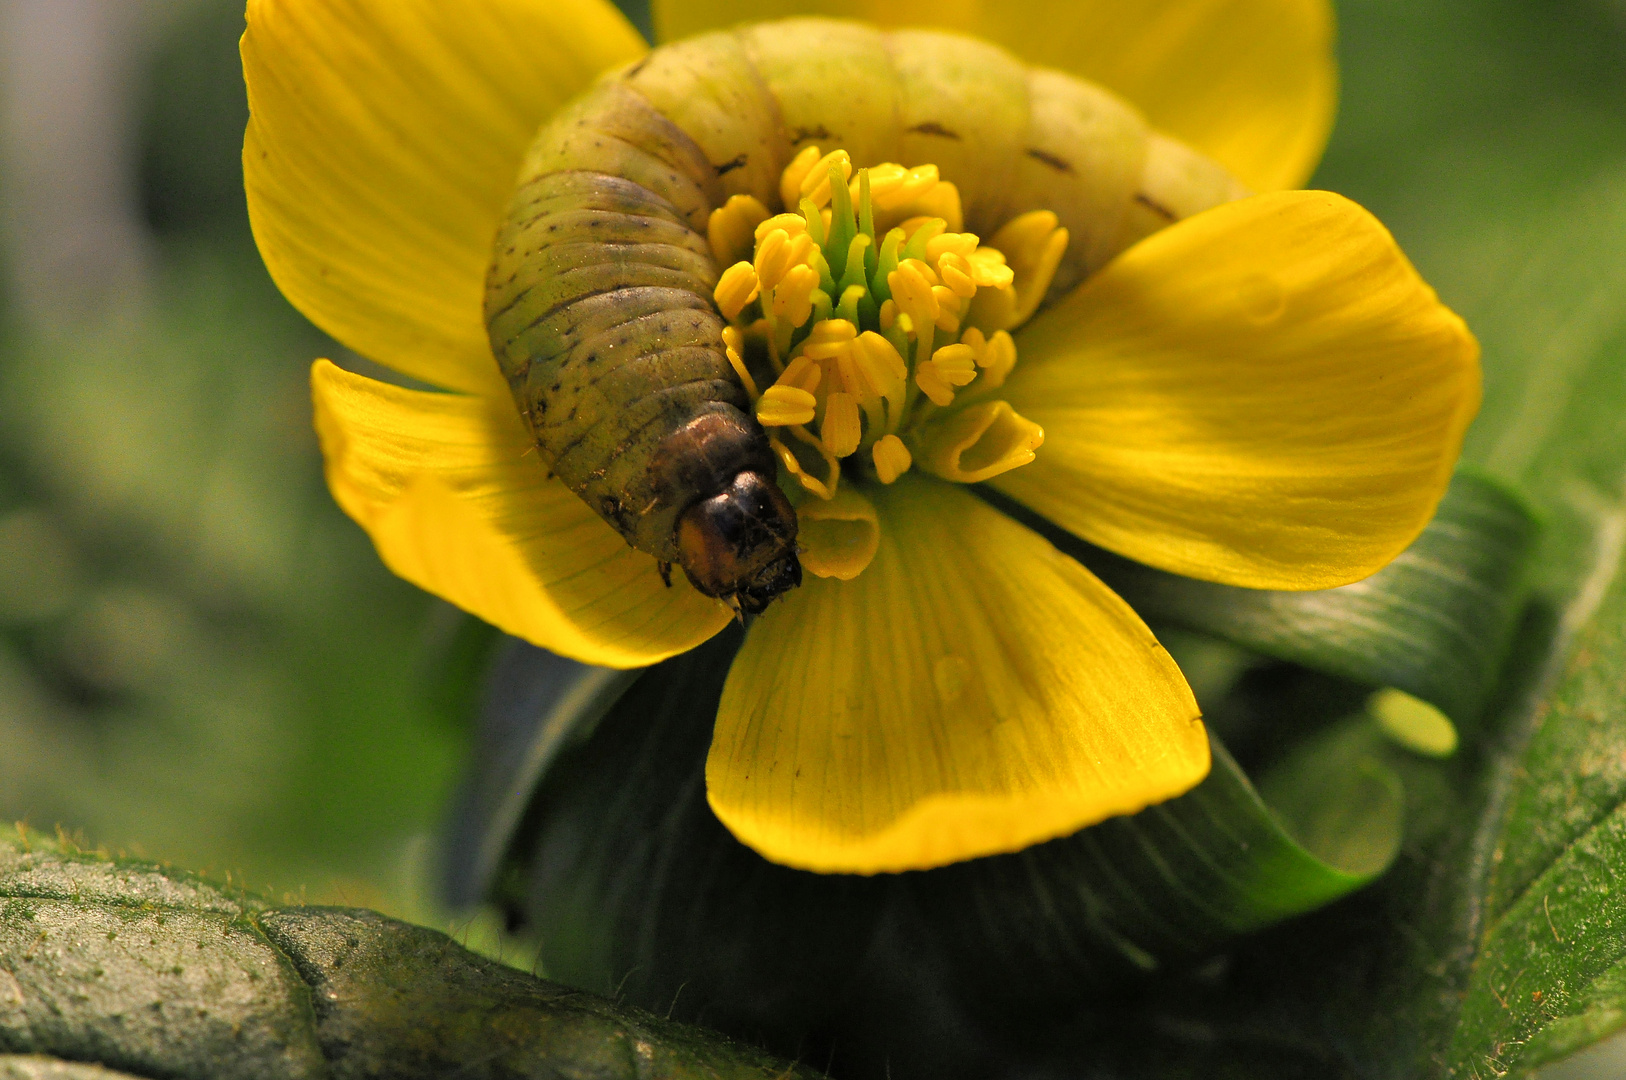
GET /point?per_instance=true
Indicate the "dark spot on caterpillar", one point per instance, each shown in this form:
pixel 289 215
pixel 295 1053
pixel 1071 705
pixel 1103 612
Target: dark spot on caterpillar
pixel 803 134
pixel 932 127
pixel 1154 206
pixel 1059 164
pixel 633 71
pixel 612 507
pixel 729 166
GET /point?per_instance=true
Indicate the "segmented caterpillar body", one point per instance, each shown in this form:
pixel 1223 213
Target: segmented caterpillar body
pixel 599 298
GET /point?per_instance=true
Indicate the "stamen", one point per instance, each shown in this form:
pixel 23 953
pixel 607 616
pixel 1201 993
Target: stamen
pixel 793 297
pixel 836 312
pixel 732 228
pixel 793 465
pixel 840 537
pixel 782 405
pixel 737 287
pixel 841 429
pixel 777 253
pixel 1034 244
pixel 829 338
pixel 892 459
pixel 979 442
pixel 734 348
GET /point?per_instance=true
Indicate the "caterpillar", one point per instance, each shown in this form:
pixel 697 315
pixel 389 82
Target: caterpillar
pixel 599 300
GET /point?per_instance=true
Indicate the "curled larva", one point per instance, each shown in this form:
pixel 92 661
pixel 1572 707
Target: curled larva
pixel 599 300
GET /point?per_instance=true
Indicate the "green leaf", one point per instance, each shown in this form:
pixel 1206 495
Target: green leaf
pixel 532 705
pixel 160 974
pixel 637 889
pixel 640 892
pixel 1435 622
pixel 1550 974
pixel 1070 921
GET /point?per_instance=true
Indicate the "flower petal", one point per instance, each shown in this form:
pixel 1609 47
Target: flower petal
pixel 451 493
pixel 973 691
pixel 1266 395
pixel 383 141
pixel 1252 84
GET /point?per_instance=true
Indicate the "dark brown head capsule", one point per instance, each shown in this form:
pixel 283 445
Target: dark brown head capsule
pixel 736 534
pixel 740 544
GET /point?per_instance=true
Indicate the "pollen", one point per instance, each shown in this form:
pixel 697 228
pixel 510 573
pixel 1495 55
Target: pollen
pixel 864 320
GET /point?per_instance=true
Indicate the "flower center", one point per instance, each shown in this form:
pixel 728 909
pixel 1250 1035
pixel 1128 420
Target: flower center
pixel 871 334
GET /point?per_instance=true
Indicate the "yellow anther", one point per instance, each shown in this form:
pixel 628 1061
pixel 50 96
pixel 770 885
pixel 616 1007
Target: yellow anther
pixel 960 243
pixel 988 268
pixel 734 349
pixel 933 384
pixel 924 269
pixel 794 224
pixel 995 356
pixel 816 184
pixel 790 181
pixel 948 308
pixel 841 429
pixel 803 372
pixel 892 187
pixel 912 290
pixel 880 352
pixel 732 226
pixel 783 405
pixel 829 338
pixel 884 179
pixel 977 342
pixel 997 361
pixel 956 274
pixel 1033 245
pixel 889 311
pixel 777 253
pixel 898 193
pixel 793 297
pixel 892 458
pixel 956 363
pixel 737 287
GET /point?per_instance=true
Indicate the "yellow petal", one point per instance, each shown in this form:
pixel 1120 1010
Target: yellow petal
pixel 450 491
pixel 972 692
pixel 1252 83
pixel 382 145
pixel 1266 394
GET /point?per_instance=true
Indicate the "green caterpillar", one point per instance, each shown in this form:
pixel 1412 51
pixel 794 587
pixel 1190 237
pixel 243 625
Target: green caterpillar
pixel 599 298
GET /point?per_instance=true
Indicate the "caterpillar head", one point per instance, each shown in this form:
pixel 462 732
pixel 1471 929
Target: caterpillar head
pixel 736 541
pixel 740 545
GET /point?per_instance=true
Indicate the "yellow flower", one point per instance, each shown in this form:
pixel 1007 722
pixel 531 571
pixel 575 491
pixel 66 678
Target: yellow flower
pixel 1264 394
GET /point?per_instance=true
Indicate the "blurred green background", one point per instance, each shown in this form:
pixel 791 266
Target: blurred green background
pixel 201 659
